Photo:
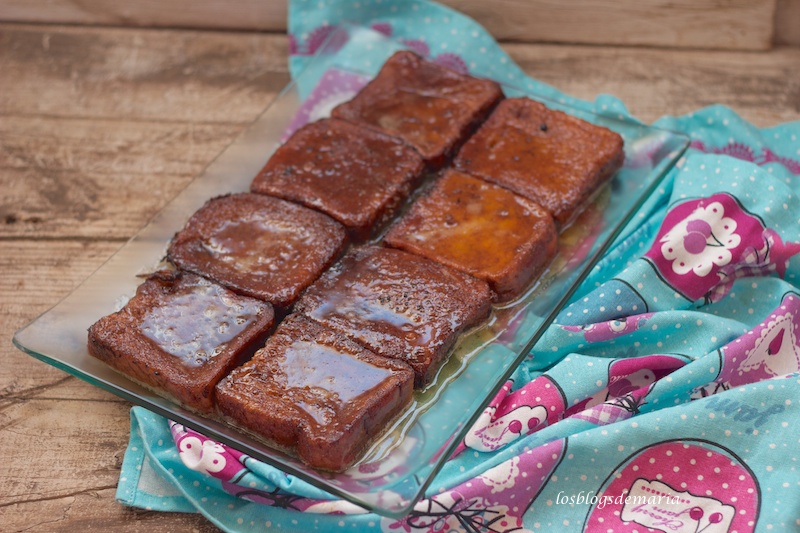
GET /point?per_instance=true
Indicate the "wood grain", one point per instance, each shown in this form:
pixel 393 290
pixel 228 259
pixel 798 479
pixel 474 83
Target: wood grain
pixel 37 275
pixel 763 88
pixel 94 509
pixel 787 23
pixel 139 75
pixel 235 14
pixel 724 24
pixel 742 25
pixel 100 127
pixel 26 428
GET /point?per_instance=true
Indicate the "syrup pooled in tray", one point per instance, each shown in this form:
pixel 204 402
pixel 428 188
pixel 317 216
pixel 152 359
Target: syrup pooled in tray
pixel 356 175
pixel 555 159
pixel 479 228
pixel 198 323
pixel 262 247
pixel 316 394
pixel 258 245
pixel 180 334
pixel 431 106
pixel 398 305
pixel 313 372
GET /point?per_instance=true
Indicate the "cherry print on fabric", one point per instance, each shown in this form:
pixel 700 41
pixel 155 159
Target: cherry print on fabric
pixel 680 486
pixel 704 245
pixel 511 415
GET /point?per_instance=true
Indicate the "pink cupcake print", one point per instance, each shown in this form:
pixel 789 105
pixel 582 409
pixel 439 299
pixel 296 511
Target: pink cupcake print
pixel 681 486
pixel 707 243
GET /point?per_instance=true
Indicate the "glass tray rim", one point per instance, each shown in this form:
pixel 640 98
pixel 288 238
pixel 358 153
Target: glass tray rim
pixel 220 431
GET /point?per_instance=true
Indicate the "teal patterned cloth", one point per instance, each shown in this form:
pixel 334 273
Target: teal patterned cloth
pixel 665 396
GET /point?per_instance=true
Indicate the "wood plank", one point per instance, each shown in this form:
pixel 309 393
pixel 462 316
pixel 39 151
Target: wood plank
pixel 111 146
pixel 787 23
pixel 95 510
pixel 216 14
pixel 85 178
pixel 762 88
pixel 661 78
pixel 70 175
pixel 79 177
pixel 28 427
pixel 71 178
pixel 71 204
pixel 744 25
pixel 148 75
pixel 62 440
pixel 36 276
pixel 76 491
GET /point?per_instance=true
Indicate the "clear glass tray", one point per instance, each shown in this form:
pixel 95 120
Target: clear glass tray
pixel 401 463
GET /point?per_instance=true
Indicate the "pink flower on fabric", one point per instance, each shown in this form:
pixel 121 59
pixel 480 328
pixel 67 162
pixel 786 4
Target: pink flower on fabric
pixel 452 61
pixel 418 46
pixel 506 428
pixel 700 241
pixel 383 27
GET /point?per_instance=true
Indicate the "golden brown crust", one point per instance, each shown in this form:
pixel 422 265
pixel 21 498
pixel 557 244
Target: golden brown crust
pixel 179 335
pixel 258 246
pixel 430 106
pixel 356 175
pixel 314 393
pixel 479 228
pixel 398 305
pixel 554 159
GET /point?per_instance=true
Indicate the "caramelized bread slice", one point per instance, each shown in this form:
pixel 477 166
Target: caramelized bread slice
pixel 258 246
pixel 356 175
pixel 180 334
pixel 553 158
pixel 398 305
pixel 431 106
pixel 481 229
pixel 315 394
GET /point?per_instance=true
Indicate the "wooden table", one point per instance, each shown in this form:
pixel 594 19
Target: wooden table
pixel 100 127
